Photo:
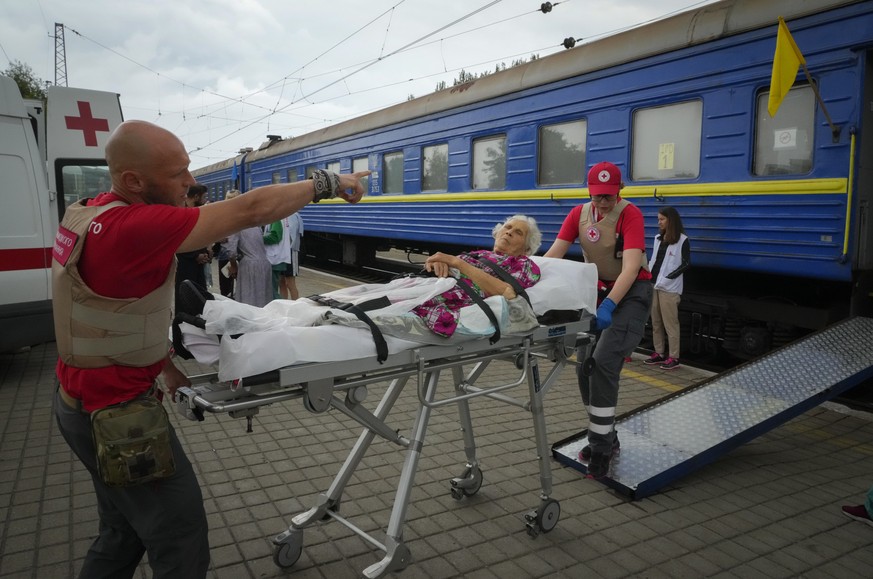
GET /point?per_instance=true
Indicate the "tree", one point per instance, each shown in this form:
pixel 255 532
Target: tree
pixel 30 85
pixel 465 77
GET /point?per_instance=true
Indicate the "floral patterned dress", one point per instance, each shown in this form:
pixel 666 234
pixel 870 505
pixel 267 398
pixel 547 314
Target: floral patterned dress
pixel 254 279
pixel 441 313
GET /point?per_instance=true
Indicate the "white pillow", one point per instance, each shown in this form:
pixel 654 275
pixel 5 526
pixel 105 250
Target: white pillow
pixel 565 285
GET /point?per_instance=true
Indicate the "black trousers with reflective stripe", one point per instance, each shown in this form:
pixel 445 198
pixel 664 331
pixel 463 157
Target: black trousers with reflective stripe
pixel 600 390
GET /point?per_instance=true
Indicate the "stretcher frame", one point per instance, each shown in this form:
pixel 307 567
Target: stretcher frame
pixel 321 384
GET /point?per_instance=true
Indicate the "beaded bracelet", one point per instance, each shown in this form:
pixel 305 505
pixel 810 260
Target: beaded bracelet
pixel 326 183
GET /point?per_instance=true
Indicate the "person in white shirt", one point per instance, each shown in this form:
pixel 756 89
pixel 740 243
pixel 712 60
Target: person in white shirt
pixel 671 256
pixel 282 241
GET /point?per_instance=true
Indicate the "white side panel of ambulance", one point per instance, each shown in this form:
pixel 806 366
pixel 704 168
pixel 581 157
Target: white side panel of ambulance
pixel 35 190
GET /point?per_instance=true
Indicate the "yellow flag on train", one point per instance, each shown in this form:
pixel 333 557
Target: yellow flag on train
pixel 786 61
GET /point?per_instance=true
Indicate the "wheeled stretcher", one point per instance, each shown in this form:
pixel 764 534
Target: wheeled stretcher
pixel 343 386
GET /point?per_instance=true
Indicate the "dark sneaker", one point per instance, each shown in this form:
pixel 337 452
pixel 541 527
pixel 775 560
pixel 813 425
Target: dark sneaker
pixel 585 453
pixel 670 364
pixel 598 466
pixel 859 513
pixel 655 359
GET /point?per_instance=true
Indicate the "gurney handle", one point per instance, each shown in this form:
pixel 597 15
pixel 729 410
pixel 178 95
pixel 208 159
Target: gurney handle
pixel 480 392
pixel 217 407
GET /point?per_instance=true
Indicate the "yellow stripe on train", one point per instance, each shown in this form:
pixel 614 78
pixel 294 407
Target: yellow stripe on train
pixel 837 186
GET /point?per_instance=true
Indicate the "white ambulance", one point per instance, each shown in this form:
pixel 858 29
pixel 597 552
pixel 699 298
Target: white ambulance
pixel 48 159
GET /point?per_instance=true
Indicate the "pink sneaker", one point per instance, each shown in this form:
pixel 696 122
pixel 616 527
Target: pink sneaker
pixel 670 364
pixel 859 513
pixel 654 359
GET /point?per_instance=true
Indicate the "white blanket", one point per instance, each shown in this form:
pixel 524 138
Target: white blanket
pixel 282 333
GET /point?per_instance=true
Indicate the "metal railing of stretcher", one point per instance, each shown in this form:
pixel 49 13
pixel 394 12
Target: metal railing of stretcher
pixel 343 387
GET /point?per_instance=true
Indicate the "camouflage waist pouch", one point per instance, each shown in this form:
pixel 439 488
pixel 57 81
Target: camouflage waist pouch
pixel 132 440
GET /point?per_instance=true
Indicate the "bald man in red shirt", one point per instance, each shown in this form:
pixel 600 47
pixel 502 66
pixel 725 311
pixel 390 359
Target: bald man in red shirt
pixel 113 272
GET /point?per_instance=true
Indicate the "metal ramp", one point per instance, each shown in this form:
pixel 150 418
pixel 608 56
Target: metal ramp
pixel 671 437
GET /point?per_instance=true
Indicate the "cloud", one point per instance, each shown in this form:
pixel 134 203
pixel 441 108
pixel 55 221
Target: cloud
pixel 222 74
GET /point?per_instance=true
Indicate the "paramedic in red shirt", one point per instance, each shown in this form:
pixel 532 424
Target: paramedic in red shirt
pixel 610 230
pixel 113 271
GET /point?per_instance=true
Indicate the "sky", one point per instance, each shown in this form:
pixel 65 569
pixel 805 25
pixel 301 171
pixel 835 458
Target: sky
pixel 223 74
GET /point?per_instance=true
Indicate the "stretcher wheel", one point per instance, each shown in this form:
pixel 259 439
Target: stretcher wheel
pixel 286 554
pixel 548 515
pixel 468 484
pixel 288 546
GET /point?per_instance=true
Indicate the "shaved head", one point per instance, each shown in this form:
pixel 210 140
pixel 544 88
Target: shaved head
pixel 142 155
pixel 137 145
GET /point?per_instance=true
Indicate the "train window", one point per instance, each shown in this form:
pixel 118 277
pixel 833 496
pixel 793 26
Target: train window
pixel 392 172
pixel 334 166
pixel 310 170
pixel 362 164
pixel 277 177
pixel 562 153
pixel 666 142
pixel 435 168
pixel 489 163
pixel 292 175
pixel 783 144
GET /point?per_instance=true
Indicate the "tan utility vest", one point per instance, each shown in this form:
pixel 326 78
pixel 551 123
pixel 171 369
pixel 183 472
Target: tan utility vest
pixel 95 331
pixel 598 238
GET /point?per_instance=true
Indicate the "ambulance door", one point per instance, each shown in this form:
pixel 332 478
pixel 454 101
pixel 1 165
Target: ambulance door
pixel 78 125
pixel 25 239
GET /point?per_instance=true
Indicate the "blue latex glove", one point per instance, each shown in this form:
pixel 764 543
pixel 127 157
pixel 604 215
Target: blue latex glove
pixel 604 314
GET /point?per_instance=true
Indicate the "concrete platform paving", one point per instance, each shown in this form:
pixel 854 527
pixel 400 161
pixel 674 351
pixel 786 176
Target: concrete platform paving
pixel 768 509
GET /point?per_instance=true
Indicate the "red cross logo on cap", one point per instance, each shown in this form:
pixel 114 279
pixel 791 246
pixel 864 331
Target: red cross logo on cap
pixel 603 176
pixel 86 123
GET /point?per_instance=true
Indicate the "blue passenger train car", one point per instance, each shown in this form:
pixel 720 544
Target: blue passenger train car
pixel 778 208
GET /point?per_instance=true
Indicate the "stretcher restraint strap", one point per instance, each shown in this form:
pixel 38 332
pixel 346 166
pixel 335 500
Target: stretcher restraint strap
pixel 359 312
pixel 505 276
pixel 477 299
pixel 190 301
pixel 178 345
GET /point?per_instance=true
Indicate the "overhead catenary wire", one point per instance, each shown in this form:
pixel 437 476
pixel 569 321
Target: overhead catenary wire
pixel 293 112
pixel 358 70
pixel 305 97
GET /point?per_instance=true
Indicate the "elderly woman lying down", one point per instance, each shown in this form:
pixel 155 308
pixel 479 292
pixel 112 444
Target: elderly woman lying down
pixel 514 241
pixel 408 311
